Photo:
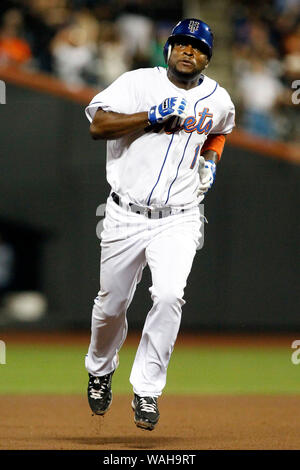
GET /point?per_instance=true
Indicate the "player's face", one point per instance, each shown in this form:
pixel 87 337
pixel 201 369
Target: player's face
pixel 187 59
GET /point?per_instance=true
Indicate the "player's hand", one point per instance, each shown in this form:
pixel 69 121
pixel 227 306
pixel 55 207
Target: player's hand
pixel 207 173
pixel 169 107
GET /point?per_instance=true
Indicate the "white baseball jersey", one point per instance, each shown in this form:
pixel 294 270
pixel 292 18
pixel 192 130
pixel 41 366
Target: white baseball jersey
pixel 159 168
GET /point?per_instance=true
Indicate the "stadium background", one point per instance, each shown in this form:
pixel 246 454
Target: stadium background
pixel 243 289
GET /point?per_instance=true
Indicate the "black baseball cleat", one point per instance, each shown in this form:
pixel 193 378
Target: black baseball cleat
pixel 146 412
pixel 99 393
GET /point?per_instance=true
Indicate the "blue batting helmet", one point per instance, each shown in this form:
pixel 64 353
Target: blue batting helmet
pixel 195 29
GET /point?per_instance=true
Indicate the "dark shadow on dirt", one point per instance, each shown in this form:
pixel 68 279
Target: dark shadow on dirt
pixel 126 442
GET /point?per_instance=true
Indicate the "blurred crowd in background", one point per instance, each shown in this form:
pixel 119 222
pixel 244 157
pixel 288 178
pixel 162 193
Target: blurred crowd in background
pixel 86 41
pixel 92 42
pixel 266 61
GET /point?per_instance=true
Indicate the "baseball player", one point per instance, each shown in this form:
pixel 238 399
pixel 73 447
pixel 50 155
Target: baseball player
pixel 165 130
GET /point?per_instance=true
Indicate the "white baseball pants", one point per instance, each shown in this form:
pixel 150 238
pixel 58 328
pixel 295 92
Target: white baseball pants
pixel 129 242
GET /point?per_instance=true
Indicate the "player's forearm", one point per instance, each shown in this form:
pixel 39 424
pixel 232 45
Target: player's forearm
pixel 110 125
pixel 211 155
pixel 213 147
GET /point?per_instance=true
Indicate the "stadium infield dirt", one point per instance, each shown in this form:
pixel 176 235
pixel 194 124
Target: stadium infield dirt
pixel 214 422
pixel 206 422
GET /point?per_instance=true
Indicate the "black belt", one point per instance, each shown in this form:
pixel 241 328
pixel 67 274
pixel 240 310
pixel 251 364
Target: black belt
pixel 150 213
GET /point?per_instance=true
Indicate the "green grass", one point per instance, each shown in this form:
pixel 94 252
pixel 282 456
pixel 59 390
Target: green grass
pixel 57 369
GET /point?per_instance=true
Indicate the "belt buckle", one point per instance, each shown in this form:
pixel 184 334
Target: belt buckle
pixel 158 213
pixel 165 211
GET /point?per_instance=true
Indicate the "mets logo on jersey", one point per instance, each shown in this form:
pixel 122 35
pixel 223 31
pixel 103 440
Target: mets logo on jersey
pixel 193 26
pixel 202 123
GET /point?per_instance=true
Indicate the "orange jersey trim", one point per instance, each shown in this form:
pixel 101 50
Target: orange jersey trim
pixel 214 142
